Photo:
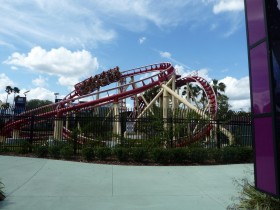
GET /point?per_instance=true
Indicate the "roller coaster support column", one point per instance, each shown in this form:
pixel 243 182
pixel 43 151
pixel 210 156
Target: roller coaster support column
pixel 2 138
pixel 174 100
pixel 116 123
pixel 15 134
pixel 67 118
pixel 165 105
pixel 174 104
pixel 58 129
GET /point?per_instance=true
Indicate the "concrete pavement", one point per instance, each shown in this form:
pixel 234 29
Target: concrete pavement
pixel 44 184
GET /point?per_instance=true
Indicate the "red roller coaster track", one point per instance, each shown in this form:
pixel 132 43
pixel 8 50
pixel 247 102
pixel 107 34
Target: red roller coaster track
pixel 92 87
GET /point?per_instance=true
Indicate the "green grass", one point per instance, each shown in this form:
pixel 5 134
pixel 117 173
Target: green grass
pixel 251 198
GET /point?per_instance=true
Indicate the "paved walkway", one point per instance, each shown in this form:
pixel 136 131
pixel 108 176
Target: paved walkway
pixel 42 184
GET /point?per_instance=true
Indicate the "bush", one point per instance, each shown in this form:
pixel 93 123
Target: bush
pixel 179 155
pixel 54 151
pixel 139 154
pixel 3 148
pixel 122 154
pixel 216 155
pixel 198 155
pixel 88 153
pixel 67 152
pixel 244 154
pixel 161 156
pixel 55 147
pixel 23 147
pixel 236 155
pixel 102 153
pixel 41 151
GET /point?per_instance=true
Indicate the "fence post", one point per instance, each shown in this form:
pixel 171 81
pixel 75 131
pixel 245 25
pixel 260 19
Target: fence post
pixel 31 132
pixel 218 134
pixel 75 142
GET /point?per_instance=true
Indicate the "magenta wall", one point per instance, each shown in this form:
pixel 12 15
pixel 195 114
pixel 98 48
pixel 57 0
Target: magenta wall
pixel 264 151
pixel 262 17
pixel 255 19
pixel 260 79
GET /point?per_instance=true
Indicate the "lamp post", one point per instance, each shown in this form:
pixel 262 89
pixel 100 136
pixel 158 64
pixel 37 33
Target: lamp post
pixel 25 98
pixel 26 93
pixel 56 94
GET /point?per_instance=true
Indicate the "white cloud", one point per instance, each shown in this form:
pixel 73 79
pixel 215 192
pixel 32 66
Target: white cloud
pixel 165 54
pixel 14 68
pixel 228 6
pixel 60 62
pixel 203 72
pixel 41 94
pixel 136 15
pixel 87 23
pixel 40 81
pixel 61 22
pixel 142 40
pixel 5 81
pixel 233 18
pixel 238 91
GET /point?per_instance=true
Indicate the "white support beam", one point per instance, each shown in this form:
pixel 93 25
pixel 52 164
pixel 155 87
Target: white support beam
pixel 201 113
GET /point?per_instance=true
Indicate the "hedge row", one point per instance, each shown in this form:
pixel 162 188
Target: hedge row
pixel 139 154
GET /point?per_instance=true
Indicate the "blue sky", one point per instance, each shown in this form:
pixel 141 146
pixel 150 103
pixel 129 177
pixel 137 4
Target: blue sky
pixel 47 46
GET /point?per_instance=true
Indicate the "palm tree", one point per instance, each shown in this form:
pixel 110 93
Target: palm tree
pixel 191 91
pixel 8 90
pixel 15 90
pixel 196 94
pixel 218 87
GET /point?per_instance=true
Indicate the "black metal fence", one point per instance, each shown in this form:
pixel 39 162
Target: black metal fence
pixel 180 129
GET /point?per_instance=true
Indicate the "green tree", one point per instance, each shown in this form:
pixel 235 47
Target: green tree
pixel 150 94
pixel 223 105
pixel 191 91
pixel 219 87
pixel 195 94
pixel 16 90
pixel 35 103
pixel 222 100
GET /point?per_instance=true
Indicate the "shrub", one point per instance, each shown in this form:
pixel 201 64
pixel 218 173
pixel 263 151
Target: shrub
pixel 215 154
pixel 102 153
pixel 198 155
pixel 55 147
pixel 88 153
pixel 41 151
pixel 23 147
pixel 179 155
pixel 3 148
pixel 139 154
pixel 122 154
pixel 229 155
pixel 67 152
pixel 160 155
pixel 244 154
pixel 54 151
